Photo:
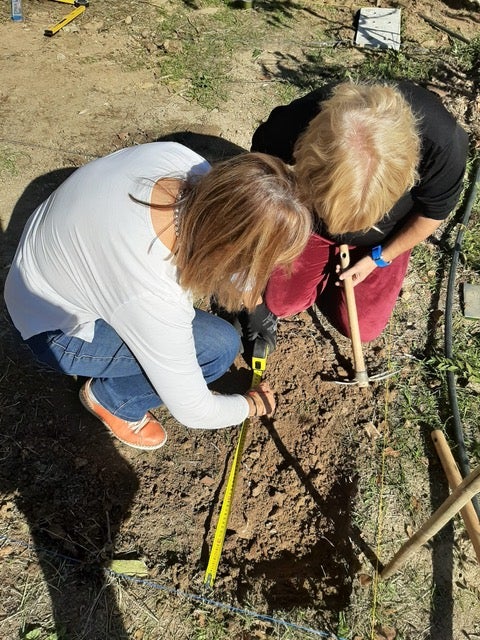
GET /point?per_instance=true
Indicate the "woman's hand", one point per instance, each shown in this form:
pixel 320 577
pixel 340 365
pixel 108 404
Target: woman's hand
pixel 357 272
pixel 261 400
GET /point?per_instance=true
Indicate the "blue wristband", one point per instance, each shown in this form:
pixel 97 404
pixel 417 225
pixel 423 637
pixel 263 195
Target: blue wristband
pixel 377 257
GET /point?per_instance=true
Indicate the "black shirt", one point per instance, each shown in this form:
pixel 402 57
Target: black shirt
pixel 444 150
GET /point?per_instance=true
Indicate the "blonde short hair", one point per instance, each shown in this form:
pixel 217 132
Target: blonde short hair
pixel 358 156
pixel 238 222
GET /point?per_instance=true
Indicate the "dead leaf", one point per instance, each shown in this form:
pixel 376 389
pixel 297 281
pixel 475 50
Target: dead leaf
pixel 364 579
pixel 372 432
pixel 129 567
pixel 385 633
pixel 393 453
pixel 416 504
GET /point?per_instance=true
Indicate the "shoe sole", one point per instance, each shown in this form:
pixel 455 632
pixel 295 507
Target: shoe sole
pixel 86 403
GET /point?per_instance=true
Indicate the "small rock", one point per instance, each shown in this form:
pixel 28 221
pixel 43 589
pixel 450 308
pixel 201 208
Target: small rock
pixel 256 491
pixel 151 47
pixel 94 25
pixel 128 20
pixel 208 11
pixel 171 46
pixel 372 431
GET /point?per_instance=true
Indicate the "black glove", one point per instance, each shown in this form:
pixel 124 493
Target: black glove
pixel 261 322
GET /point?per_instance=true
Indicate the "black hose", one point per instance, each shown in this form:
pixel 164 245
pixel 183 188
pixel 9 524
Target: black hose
pixel 463 463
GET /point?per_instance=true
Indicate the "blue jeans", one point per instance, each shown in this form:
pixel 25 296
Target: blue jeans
pixel 119 384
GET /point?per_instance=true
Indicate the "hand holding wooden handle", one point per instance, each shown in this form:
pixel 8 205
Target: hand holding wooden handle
pixel 361 374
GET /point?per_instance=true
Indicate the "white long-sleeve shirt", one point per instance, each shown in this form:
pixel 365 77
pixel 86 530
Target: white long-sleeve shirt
pixel 90 252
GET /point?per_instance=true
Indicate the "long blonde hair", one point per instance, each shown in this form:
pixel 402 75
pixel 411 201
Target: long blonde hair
pixel 238 222
pixel 358 156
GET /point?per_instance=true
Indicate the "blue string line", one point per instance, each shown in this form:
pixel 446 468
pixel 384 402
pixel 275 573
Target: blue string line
pixel 183 594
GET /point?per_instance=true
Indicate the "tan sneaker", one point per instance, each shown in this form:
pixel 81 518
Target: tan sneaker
pixel 146 434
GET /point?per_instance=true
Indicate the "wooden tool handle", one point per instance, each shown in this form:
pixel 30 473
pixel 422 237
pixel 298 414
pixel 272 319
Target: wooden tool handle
pixel 452 505
pixel 359 363
pixel 454 478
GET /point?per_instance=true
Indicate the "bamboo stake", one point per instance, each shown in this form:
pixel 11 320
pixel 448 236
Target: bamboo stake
pixel 451 506
pixel 454 478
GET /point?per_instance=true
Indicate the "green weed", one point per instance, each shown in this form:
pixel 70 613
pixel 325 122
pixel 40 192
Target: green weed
pixel 10 161
pixel 395 65
pixel 197 50
pixel 471 247
pixel 467 55
pixel 38 633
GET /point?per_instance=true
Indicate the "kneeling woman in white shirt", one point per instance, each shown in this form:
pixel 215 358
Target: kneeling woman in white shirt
pixel 108 268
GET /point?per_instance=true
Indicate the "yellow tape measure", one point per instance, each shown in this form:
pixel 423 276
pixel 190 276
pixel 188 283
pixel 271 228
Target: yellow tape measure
pixel 259 363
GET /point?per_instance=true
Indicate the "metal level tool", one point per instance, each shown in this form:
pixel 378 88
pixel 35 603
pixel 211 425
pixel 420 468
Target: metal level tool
pixel 259 363
pixel 80 6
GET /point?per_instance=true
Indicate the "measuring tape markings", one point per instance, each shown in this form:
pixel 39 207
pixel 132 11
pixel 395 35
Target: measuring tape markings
pixel 258 365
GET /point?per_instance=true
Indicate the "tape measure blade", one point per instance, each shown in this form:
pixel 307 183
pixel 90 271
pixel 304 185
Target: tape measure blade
pixel 222 524
pixel 258 365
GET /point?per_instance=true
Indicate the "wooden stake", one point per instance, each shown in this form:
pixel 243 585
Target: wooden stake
pixel 452 505
pixel 454 478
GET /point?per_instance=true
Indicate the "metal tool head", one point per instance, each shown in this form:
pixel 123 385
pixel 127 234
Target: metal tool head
pixel 75 3
pixel 375 378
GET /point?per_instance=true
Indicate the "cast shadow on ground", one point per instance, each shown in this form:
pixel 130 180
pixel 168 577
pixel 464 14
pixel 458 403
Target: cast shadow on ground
pixel 331 565
pixel 212 148
pixel 59 464
pixel 442 544
pixel 34 194
pixel 342 359
pixel 275 10
pixel 314 69
pixel 71 485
